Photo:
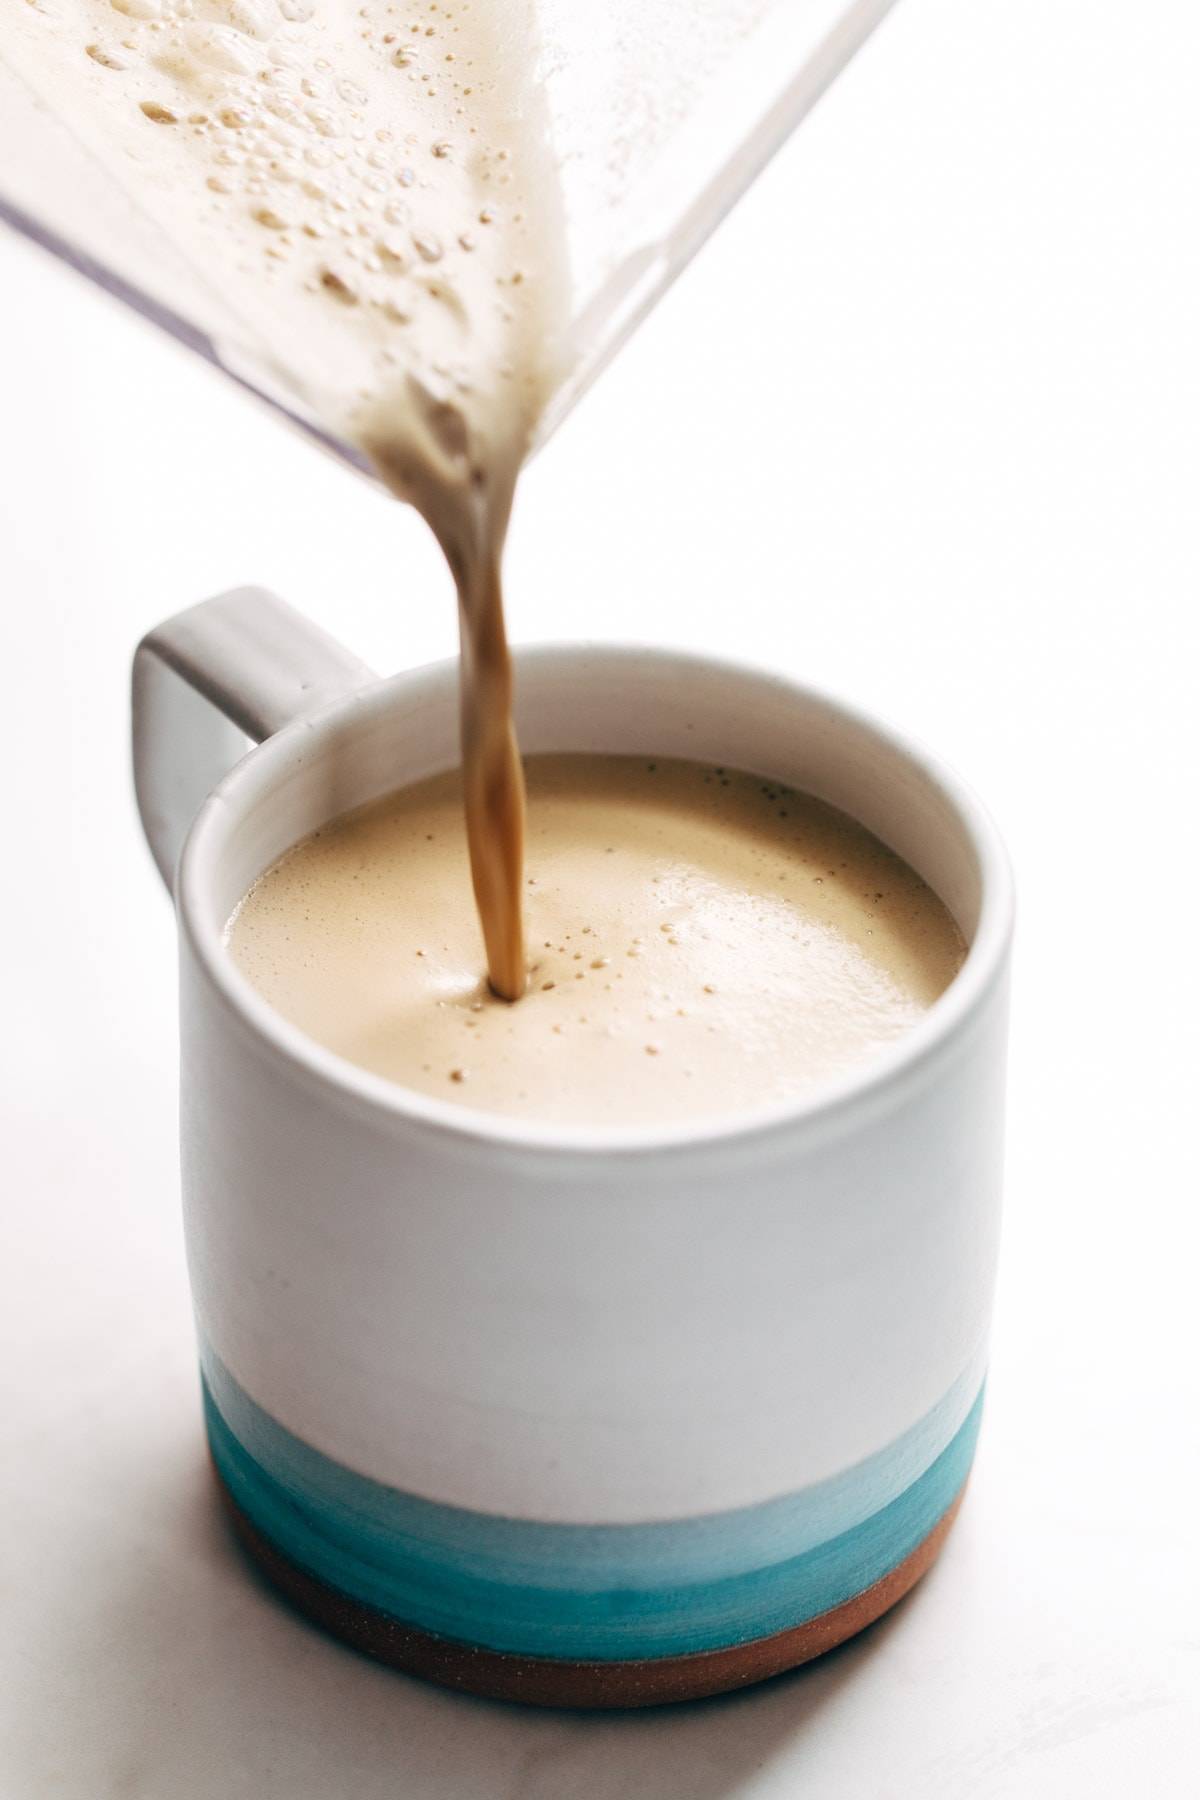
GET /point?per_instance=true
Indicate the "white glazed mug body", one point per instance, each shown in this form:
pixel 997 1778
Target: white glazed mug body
pixel 606 1400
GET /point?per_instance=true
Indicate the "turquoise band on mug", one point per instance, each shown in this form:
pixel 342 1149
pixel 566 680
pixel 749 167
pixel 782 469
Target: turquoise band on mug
pixel 594 1592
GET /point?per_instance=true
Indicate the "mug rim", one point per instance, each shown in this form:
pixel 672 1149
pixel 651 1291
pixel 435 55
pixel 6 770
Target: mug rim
pixel 388 1101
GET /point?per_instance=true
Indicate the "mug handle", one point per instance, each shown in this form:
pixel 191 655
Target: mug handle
pixel 210 682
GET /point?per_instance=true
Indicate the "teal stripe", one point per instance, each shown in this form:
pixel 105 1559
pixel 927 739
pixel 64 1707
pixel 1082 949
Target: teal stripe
pixel 521 1552
pixel 597 1592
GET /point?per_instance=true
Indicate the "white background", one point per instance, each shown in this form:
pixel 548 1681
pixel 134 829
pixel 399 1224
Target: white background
pixel 922 425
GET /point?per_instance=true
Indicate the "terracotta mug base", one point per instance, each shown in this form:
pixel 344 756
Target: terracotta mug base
pixel 547 1681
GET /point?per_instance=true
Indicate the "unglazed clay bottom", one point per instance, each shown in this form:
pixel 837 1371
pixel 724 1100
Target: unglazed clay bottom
pixel 596 1686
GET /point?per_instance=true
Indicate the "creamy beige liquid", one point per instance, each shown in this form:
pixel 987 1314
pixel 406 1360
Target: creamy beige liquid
pixel 701 942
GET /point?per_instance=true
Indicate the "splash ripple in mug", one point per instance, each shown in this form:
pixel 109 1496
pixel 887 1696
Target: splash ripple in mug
pixel 572 1413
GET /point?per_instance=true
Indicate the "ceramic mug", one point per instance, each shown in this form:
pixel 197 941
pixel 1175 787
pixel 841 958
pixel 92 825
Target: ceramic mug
pixel 576 1415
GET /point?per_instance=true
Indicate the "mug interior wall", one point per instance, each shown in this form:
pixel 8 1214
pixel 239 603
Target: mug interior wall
pixel 609 701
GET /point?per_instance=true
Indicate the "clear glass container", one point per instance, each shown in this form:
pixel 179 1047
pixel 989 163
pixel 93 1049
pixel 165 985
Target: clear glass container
pixel 661 113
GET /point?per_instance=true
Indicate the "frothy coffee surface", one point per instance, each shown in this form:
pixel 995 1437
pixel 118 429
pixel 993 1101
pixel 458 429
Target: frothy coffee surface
pixel 700 942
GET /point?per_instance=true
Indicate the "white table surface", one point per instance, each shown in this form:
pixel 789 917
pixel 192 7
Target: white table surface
pixel 943 455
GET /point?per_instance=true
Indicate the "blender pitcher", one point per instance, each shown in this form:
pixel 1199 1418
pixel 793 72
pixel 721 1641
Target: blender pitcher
pixel 660 114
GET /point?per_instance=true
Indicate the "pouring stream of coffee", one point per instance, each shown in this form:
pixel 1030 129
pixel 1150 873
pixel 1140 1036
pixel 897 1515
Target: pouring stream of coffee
pixel 464 489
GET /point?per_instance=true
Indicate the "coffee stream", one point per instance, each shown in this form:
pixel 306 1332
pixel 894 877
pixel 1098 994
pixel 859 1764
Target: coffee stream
pixel 493 783
pixel 465 492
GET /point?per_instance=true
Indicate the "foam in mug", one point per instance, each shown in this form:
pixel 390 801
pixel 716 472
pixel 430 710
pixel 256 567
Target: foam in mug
pixel 699 939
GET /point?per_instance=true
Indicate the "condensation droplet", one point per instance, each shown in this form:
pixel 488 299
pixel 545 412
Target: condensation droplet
pixel 108 59
pixel 217 47
pixel 255 18
pixel 337 281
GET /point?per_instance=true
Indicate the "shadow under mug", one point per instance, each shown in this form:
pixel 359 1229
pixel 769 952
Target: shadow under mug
pixel 577 1416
